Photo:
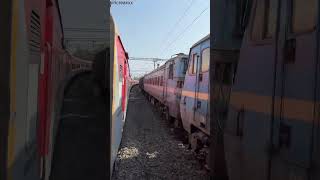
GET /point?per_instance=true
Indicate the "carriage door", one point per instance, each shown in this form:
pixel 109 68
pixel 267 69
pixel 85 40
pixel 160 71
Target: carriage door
pixel 201 101
pixel 124 86
pixel 166 81
pixel 293 136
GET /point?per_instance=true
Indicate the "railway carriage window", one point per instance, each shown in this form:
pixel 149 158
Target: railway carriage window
pixel 171 71
pixel 179 84
pixel 303 15
pixel 205 60
pixel 120 72
pixel 190 66
pixel 193 64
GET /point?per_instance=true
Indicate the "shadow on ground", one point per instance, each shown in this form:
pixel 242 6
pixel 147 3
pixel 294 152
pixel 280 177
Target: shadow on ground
pixel 80 150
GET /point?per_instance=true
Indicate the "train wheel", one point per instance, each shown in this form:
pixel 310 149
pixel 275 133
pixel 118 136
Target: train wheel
pixel 193 141
pixel 198 140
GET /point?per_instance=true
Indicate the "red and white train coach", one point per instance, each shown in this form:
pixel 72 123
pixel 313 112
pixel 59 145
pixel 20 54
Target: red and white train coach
pixel 34 75
pixel 117 78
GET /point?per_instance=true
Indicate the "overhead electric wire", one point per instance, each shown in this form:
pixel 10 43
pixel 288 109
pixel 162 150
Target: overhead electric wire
pixel 146 59
pixel 189 26
pixel 179 20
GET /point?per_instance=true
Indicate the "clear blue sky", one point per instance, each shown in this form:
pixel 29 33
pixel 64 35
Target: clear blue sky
pixel 148 28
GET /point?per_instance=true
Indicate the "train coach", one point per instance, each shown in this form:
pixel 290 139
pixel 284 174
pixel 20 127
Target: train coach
pixel 181 88
pixel 112 72
pixel 34 74
pixel 164 85
pixel 272 128
pixel 194 103
pixel 117 83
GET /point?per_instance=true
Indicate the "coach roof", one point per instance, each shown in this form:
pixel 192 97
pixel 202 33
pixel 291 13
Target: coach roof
pixel 201 40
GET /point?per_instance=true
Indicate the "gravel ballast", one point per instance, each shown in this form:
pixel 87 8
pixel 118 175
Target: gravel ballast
pixel 150 148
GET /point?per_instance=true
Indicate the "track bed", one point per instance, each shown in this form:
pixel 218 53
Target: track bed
pixel 150 148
